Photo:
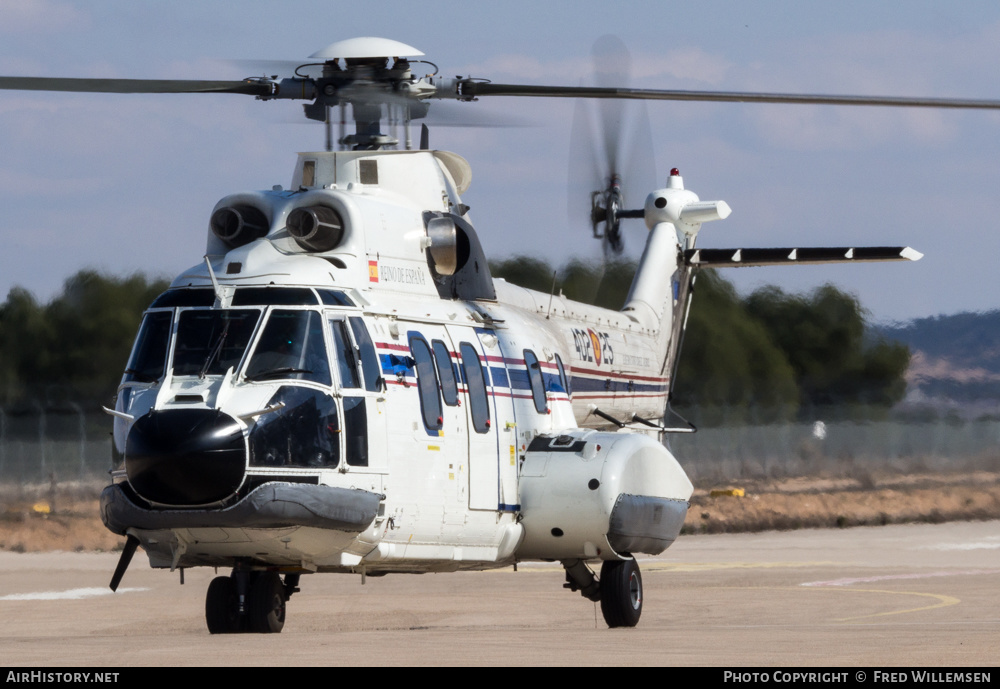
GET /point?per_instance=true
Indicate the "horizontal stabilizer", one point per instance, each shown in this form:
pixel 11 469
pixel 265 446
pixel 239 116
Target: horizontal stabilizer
pixel 722 258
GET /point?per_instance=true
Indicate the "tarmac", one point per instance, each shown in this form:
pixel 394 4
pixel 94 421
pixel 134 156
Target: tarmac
pixel 898 595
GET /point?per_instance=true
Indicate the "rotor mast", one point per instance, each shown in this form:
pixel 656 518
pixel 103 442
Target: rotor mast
pixel 372 75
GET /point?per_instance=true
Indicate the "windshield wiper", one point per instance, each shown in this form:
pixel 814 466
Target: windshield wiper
pixel 276 372
pixel 216 349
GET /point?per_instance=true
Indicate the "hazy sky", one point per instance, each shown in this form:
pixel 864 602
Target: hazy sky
pixel 127 183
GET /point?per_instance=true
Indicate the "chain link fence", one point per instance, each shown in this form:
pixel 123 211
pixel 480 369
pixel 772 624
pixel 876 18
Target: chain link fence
pixel 45 446
pixel 838 449
pixel 53 445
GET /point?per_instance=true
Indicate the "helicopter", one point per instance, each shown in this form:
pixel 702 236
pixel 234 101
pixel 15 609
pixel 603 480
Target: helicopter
pixel 341 386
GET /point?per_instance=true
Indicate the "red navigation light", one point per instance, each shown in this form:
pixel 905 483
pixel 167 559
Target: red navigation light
pixel 674 172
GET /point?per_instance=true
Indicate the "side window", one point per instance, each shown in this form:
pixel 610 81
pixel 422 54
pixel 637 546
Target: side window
pixel 356 431
pixel 446 373
pixel 563 378
pixel 150 353
pixel 427 383
pixel 537 381
pixel 479 405
pixel 343 352
pixel 371 369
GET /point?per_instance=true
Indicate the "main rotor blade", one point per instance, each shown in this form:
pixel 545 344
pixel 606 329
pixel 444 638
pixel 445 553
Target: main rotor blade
pixel 250 88
pixel 476 89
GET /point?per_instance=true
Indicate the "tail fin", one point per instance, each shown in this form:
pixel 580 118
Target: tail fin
pixel 673 215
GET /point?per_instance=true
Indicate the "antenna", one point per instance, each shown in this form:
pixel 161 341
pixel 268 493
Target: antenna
pixel 551 294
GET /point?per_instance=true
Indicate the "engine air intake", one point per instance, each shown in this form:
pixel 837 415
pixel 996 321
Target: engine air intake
pixel 316 228
pixel 239 225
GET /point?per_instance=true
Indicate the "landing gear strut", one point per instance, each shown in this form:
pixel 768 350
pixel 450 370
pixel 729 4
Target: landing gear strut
pixel 619 589
pixel 248 602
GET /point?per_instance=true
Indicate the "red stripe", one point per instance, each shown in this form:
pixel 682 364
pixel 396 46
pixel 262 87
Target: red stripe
pixel 593 396
pixel 612 374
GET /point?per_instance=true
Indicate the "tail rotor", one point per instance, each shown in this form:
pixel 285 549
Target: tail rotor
pixel 622 145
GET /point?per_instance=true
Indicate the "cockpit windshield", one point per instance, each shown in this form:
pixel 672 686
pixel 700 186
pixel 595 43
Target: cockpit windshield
pixel 283 343
pixel 291 346
pixel 210 342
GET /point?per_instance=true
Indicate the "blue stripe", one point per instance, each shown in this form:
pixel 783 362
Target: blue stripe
pixel 395 364
pixel 499 377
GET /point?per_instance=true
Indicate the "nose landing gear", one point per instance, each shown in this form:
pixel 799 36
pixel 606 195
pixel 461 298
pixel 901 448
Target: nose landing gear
pixel 619 589
pixel 248 601
pixel 621 593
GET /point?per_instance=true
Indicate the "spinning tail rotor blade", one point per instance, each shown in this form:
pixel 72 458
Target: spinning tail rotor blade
pixel 612 65
pixel 618 157
pixel 586 169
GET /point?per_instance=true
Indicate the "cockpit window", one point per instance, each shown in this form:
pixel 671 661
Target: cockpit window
pixel 332 297
pixel 184 297
pixel 370 366
pixel 210 342
pixel 291 346
pixel 343 350
pixel 274 296
pixel 150 353
pixel 305 433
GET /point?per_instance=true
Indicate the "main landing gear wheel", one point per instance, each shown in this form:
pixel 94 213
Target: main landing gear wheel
pixel 222 607
pixel 266 613
pixel 621 592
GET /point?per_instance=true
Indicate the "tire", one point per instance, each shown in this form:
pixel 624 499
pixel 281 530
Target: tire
pixel 222 607
pixel 267 604
pixel 621 593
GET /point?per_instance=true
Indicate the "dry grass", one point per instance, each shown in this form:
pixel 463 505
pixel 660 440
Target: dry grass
pixel 870 500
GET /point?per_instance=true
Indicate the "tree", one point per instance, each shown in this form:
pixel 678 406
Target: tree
pixel 75 348
pixel 591 282
pixel 729 368
pixel 25 337
pixel 823 338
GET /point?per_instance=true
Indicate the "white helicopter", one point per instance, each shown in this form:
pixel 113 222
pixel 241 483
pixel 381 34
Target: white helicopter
pixel 341 386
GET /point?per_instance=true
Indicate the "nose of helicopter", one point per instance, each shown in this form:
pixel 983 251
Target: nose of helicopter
pixel 185 457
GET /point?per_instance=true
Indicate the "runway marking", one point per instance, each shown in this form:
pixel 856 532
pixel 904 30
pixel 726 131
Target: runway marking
pixel 71 594
pixel 990 544
pixel 890 577
pixel 942 602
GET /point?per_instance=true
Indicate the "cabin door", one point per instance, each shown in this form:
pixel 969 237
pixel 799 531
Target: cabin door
pixel 506 426
pixel 474 377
